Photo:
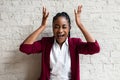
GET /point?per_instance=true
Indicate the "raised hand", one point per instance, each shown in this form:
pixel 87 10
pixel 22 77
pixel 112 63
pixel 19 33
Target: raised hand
pixel 86 34
pixel 45 16
pixel 32 37
pixel 77 14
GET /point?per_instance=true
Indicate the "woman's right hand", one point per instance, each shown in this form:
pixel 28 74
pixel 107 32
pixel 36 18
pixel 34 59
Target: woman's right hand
pixel 44 18
pixel 32 37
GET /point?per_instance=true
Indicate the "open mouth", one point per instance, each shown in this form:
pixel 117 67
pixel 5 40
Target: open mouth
pixel 60 35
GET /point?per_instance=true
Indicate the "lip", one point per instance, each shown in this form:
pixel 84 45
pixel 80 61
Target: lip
pixel 60 36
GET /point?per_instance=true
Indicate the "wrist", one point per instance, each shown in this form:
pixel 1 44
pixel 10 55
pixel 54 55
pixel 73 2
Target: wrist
pixel 80 24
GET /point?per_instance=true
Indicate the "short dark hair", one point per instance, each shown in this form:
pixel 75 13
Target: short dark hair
pixel 63 14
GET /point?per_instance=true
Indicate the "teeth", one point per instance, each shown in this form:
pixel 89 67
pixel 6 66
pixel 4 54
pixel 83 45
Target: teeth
pixel 60 35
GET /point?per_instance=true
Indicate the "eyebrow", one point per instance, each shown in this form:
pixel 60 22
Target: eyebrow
pixel 55 24
pixel 58 24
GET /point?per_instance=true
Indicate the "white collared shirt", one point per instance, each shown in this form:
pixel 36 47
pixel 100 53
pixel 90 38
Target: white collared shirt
pixel 60 62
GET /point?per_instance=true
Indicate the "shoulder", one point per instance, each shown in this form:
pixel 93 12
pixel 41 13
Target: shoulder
pixel 47 39
pixel 75 39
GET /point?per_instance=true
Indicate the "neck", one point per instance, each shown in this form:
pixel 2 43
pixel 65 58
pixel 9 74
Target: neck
pixel 60 45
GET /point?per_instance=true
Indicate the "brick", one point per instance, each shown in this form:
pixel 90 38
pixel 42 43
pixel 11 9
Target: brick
pixel 19 18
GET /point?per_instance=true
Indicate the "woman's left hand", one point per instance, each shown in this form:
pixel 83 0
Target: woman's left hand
pixel 86 34
pixel 77 14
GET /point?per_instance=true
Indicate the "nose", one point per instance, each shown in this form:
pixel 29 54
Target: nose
pixel 60 30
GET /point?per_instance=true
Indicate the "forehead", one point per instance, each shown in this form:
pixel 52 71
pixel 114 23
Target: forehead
pixel 61 19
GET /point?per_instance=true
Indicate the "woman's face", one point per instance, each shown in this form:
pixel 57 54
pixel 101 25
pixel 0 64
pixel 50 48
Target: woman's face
pixel 61 29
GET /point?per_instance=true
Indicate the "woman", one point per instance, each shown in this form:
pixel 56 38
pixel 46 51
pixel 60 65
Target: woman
pixel 60 53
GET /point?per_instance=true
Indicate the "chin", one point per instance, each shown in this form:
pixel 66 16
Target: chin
pixel 60 41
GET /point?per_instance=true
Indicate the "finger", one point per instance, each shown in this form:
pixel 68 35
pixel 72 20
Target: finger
pixel 79 8
pixel 47 14
pixel 75 11
pixel 43 10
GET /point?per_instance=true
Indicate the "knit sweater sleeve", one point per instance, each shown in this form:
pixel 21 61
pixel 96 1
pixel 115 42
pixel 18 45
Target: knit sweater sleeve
pixel 87 47
pixel 34 48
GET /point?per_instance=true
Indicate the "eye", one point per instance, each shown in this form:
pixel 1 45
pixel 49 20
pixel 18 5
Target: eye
pixel 64 26
pixel 56 26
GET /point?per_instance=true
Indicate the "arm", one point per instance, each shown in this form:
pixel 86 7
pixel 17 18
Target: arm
pixel 30 45
pixel 31 38
pixel 86 34
pixel 89 47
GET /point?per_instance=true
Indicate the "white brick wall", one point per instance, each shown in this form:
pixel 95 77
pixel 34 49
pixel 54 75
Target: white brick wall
pixel 18 18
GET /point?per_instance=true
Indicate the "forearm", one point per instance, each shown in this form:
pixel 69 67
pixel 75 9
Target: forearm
pixel 86 34
pixel 32 37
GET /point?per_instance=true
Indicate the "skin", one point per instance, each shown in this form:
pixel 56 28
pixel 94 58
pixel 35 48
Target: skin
pixel 32 37
pixel 61 29
pixel 87 35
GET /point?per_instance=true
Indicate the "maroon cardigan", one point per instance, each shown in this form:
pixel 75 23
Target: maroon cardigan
pixel 76 47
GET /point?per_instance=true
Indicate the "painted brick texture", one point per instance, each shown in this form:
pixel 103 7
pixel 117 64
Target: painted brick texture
pixel 19 18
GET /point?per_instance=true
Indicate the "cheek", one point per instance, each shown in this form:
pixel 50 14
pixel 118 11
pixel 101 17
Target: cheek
pixel 67 31
pixel 54 31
